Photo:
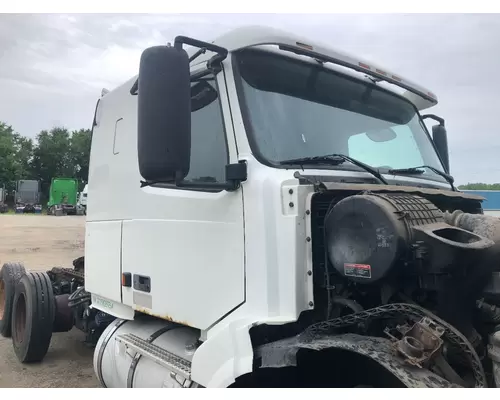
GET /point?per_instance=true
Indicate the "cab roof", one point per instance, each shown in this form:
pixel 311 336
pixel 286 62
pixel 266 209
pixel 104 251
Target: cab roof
pixel 257 36
pixel 285 42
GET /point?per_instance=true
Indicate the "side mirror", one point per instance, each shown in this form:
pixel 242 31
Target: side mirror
pixel 440 139
pixel 164 114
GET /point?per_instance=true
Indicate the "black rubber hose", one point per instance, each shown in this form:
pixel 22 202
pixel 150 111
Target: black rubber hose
pixel 489 312
pixel 351 304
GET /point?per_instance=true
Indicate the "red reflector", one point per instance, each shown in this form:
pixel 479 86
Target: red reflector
pixel 127 279
pixel 364 65
pixel 381 72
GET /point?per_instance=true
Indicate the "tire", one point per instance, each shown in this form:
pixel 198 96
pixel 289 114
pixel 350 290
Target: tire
pixel 10 274
pixel 33 317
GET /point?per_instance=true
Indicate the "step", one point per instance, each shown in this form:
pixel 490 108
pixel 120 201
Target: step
pixel 159 355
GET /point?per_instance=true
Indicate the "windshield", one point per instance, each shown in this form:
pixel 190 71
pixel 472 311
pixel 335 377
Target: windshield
pixel 293 109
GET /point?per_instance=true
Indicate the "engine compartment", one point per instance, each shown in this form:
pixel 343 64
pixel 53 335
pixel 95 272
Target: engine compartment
pixel 392 264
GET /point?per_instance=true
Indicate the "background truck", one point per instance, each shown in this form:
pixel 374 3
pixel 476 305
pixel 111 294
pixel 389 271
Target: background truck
pixel 290 221
pixel 28 196
pixel 82 200
pixel 63 196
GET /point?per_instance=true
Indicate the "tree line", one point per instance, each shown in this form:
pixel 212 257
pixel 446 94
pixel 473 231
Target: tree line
pixel 480 186
pixel 60 153
pixel 53 153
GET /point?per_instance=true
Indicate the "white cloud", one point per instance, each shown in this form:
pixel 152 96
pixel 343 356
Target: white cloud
pixel 52 67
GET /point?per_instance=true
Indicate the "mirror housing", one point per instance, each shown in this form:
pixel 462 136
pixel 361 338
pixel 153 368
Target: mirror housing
pixel 439 136
pixel 164 114
pixel 440 139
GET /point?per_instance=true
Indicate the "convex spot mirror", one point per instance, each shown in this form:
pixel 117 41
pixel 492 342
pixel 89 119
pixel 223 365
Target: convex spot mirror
pixel 202 95
pixel 381 135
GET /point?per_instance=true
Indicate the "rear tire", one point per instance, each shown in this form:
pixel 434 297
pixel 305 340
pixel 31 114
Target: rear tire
pixel 33 317
pixel 10 275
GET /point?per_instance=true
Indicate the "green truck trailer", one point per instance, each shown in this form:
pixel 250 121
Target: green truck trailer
pixel 63 196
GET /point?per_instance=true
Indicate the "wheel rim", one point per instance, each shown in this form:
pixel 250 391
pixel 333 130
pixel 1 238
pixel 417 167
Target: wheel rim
pixel 2 298
pixel 20 318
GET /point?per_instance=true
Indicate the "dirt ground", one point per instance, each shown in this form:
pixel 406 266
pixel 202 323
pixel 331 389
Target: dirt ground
pixel 43 242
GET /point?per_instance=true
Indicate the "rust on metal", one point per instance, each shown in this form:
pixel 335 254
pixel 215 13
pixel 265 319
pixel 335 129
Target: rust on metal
pixel 164 317
pixel 419 342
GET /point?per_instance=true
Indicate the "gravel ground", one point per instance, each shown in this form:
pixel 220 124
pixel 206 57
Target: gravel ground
pixel 43 242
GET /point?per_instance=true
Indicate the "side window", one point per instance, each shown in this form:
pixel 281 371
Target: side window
pixel 399 151
pixel 209 152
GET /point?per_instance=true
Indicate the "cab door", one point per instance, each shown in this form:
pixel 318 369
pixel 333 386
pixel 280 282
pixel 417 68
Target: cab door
pixel 185 249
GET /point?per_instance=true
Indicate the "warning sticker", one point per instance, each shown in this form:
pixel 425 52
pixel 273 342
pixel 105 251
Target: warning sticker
pixel 358 270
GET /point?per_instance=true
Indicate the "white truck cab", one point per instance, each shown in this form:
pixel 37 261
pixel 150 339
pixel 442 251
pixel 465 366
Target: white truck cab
pixel 209 172
pixel 82 199
pixel 83 196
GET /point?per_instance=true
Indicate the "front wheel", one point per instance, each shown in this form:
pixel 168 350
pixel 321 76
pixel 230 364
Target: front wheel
pixel 33 317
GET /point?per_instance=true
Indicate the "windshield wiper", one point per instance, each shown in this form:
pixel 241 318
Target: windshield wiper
pixel 419 171
pixel 336 159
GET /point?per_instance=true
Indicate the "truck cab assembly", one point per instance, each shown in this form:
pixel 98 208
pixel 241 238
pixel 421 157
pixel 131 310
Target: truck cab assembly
pixel 63 196
pixel 265 211
pixel 27 197
pixel 81 204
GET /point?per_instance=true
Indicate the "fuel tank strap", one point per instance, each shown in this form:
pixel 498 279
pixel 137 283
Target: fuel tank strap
pixel 103 347
pixel 137 357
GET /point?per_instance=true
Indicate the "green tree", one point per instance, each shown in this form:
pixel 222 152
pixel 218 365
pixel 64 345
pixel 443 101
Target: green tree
pixel 80 154
pixel 55 153
pixel 15 156
pixel 480 186
pixel 52 156
pixel 59 153
pixel 24 156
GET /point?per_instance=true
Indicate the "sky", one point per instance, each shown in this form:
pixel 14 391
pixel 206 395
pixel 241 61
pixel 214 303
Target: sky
pixel 53 66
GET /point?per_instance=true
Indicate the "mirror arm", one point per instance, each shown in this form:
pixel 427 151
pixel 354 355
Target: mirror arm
pixel 201 74
pixel 212 69
pixel 235 175
pixel 213 64
pixel 180 40
pixel 197 54
pixel 435 118
pixel 230 186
